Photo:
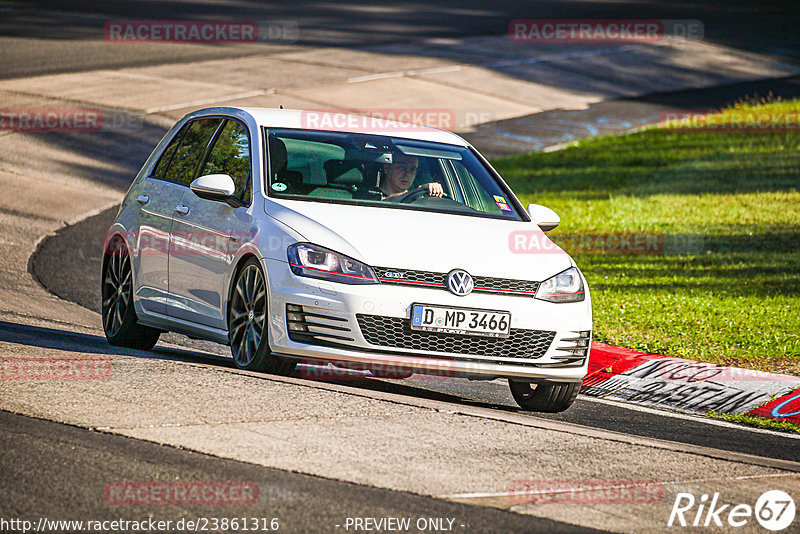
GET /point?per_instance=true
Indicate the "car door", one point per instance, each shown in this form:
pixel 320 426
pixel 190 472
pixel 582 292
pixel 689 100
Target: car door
pixel 206 234
pixel 157 199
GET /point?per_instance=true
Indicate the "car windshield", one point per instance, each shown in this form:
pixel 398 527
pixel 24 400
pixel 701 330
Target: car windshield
pixel 382 171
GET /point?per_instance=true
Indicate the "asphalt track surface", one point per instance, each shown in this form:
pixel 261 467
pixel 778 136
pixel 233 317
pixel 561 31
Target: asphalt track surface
pixel 45 37
pixel 81 462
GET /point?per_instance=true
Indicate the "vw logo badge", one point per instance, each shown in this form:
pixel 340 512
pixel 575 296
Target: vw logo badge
pixel 459 282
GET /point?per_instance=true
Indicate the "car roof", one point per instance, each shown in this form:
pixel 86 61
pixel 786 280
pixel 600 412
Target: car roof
pixel 333 121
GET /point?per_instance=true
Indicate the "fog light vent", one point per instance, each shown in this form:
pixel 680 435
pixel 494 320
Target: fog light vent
pixel 576 347
pixel 311 327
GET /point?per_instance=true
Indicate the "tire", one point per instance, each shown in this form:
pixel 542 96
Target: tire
pixel 247 323
pixel 550 398
pixel 119 316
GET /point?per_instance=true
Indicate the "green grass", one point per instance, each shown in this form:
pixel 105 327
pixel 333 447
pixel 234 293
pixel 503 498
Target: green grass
pixel 759 422
pixel 732 296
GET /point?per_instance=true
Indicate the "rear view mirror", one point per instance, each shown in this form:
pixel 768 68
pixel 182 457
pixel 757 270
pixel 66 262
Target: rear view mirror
pixel 543 216
pixel 218 187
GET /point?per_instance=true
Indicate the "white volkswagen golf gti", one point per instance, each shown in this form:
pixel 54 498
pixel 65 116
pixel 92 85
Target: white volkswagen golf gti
pixel 373 245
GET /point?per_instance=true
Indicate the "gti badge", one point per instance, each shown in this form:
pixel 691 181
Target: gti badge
pixel 459 282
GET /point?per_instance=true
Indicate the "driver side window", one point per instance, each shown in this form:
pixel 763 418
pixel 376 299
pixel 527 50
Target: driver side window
pixel 189 152
pixel 231 155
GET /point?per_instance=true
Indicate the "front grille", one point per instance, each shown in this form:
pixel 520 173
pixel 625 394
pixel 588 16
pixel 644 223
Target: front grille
pixel 485 284
pixel 396 332
pixel 505 285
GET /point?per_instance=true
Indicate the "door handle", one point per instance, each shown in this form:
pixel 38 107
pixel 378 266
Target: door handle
pixel 183 210
pixel 142 199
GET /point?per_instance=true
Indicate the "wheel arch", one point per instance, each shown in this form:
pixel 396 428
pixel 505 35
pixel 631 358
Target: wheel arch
pixel 114 235
pixel 244 258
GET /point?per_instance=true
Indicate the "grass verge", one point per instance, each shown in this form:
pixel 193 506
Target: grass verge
pixel 758 422
pixel 724 284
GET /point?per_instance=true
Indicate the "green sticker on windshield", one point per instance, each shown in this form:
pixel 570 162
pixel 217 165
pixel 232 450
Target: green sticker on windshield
pixel 279 187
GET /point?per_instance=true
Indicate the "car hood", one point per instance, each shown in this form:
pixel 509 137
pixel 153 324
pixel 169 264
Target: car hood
pixel 411 239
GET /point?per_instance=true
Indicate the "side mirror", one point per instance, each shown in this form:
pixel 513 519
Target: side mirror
pixel 218 187
pixel 543 216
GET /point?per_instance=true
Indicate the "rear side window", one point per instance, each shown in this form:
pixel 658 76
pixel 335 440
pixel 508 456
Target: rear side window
pixel 166 157
pixel 231 156
pixel 190 150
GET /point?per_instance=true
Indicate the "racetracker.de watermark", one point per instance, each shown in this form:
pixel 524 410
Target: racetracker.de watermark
pixel 77 120
pixel 535 242
pixel 39 368
pixel 51 119
pixel 199 31
pixel 203 493
pixel 385 119
pixel 732 120
pixel 585 492
pixel 603 30
pixel 180 243
pixel 399 367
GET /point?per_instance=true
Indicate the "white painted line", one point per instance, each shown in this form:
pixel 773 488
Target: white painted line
pixel 435 70
pixel 689 417
pixel 198 103
pixel 370 77
pixel 490 495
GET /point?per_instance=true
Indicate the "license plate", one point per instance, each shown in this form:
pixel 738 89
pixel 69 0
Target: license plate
pixel 467 321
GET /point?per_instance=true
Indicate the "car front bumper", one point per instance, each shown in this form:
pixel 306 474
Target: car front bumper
pixel 340 306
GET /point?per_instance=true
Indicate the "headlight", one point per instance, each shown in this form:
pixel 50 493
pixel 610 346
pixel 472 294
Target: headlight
pixel 318 262
pixel 566 286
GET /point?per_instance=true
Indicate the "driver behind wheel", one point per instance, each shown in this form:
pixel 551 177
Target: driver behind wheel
pixel 399 175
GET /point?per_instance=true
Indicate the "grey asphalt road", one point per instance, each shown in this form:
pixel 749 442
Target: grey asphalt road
pixel 41 36
pixel 68 264
pixel 71 485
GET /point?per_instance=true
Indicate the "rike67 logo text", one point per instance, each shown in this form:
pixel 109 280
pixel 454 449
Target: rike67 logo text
pixel 774 510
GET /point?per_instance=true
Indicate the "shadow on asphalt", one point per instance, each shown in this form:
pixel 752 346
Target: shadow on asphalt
pixel 458 392
pixel 405 388
pixel 766 28
pixel 66 340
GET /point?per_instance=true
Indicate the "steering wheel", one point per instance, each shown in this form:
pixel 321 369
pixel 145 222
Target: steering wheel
pixel 416 194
